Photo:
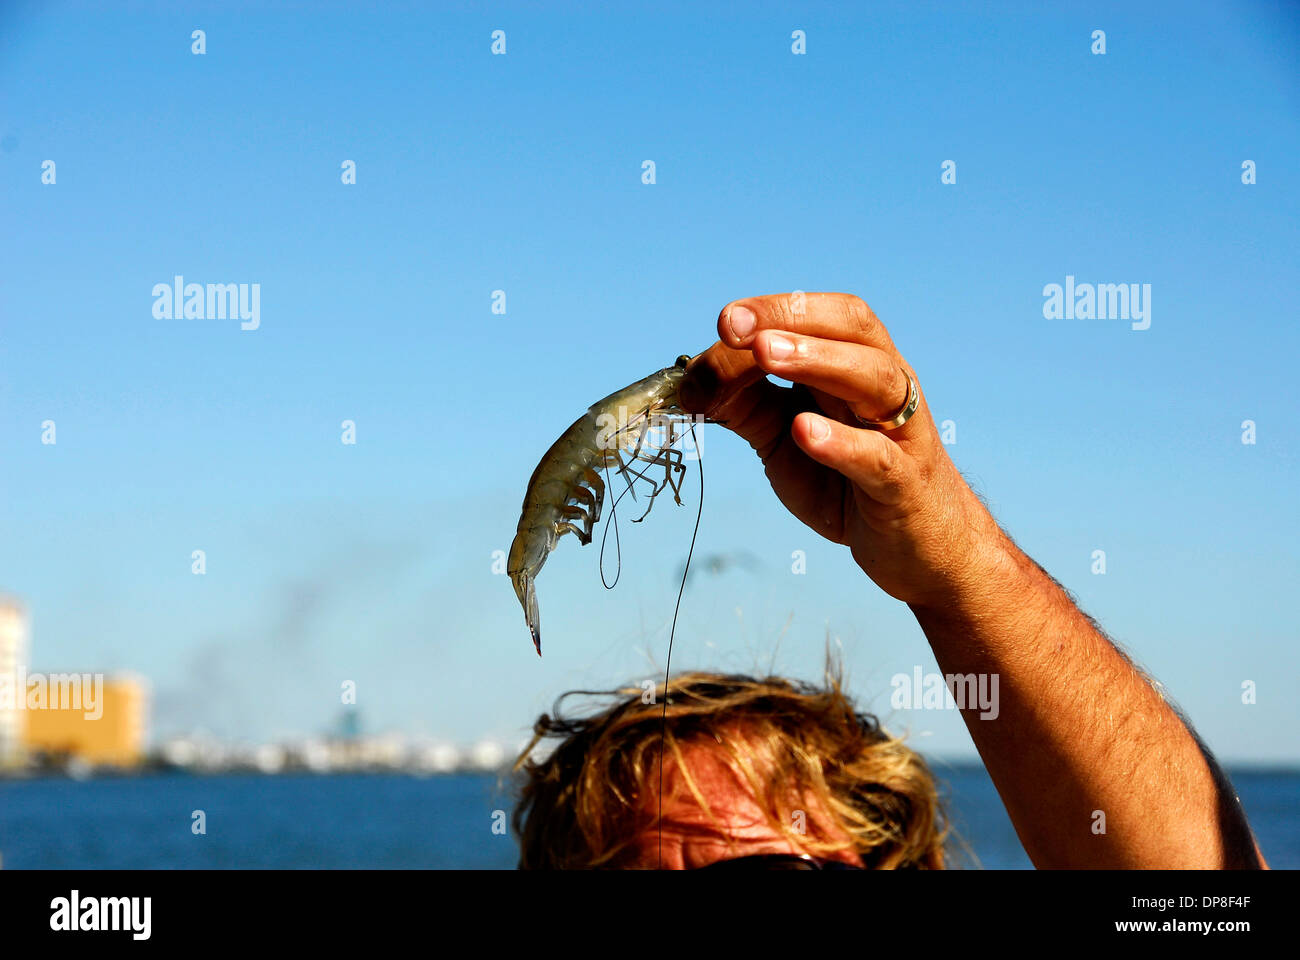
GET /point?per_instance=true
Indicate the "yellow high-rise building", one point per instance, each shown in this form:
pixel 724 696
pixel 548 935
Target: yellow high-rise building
pixel 112 734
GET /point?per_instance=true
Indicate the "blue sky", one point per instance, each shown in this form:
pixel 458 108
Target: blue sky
pixel 372 562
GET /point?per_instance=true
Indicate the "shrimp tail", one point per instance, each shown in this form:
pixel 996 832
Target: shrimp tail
pixel 527 593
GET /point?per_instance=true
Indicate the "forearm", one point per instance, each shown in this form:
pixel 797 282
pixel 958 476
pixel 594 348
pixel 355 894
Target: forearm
pixel 1079 731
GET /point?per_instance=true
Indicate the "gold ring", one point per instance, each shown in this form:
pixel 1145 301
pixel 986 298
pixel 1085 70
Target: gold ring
pixel 905 414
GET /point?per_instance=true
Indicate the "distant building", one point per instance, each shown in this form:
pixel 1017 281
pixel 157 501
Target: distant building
pixel 13 656
pixel 350 724
pixel 113 735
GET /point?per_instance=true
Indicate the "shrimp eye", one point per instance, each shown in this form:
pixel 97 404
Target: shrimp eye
pixel 683 360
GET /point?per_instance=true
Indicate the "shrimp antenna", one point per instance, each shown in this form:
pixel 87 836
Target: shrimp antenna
pixel 618 547
pixel 613 522
pixel 672 632
pixel 629 479
pixel 663 722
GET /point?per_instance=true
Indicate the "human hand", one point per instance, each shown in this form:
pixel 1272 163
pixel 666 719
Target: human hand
pixel 893 497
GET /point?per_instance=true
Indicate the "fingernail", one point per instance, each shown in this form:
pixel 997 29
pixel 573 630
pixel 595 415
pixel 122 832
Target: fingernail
pixel 819 429
pixel 779 348
pixel 741 320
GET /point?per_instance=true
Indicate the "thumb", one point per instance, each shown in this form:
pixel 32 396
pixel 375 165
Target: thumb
pixel 866 457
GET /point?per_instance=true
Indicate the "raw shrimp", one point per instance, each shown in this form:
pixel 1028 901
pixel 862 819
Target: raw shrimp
pixel 566 492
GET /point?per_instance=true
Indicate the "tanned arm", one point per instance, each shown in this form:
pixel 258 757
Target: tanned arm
pixel 1080 731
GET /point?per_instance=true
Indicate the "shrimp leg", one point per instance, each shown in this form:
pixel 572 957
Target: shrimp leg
pixel 675 463
pixel 623 441
pixel 671 460
pixel 598 492
pixel 583 497
pixel 583 535
pixel 564 526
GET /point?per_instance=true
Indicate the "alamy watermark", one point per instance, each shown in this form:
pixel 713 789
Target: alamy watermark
pixel 21 690
pixel 649 435
pixel 75 913
pixel 1098 301
pixel 952 691
pixel 179 300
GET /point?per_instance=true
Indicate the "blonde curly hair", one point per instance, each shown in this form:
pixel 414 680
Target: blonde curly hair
pixel 794 746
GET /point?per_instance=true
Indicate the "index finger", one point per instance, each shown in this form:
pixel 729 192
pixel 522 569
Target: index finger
pixel 830 316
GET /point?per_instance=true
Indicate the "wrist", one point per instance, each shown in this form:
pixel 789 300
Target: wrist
pixel 993 583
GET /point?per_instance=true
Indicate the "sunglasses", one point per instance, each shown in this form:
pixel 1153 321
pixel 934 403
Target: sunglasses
pixel 779 861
